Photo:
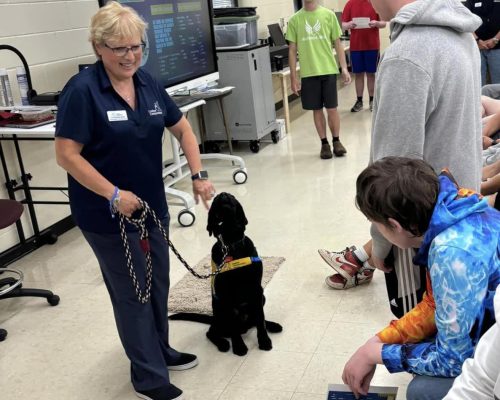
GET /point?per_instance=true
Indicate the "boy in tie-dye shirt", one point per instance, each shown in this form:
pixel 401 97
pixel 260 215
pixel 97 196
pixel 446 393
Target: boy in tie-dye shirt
pixel 457 235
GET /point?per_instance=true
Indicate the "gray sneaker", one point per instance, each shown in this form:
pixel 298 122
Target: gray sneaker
pixel 338 149
pixel 358 106
pixel 326 152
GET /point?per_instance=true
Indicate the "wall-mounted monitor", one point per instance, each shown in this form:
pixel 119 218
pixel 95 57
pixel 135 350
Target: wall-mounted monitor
pixel 180 45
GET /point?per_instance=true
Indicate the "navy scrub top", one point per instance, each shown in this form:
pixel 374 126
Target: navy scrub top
pixel 123 144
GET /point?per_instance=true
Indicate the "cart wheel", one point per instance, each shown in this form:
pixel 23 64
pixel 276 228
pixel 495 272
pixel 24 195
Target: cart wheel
pixel 186 218
pixel 212 147
pixel 275 137
pixel 239 176
pixel 255 146
pixel 53 300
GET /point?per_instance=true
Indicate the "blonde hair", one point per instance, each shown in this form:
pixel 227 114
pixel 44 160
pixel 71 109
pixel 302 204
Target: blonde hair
pixel 114 21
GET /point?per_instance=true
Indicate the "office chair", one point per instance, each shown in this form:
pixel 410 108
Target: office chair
pixel 10 213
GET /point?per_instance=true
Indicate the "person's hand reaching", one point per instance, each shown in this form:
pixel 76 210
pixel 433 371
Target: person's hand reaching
pixel 203 188
pixel 358 371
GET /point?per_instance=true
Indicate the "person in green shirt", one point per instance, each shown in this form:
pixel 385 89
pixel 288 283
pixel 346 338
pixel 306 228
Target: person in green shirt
pixel 312 31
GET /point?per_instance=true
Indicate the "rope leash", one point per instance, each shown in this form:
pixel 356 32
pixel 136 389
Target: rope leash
pixel 143 295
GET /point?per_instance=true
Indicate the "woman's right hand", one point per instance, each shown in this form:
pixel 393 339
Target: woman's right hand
pixel 128 204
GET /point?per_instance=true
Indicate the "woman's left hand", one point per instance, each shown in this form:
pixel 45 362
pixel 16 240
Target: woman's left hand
pixel 359 370
pixel 203 188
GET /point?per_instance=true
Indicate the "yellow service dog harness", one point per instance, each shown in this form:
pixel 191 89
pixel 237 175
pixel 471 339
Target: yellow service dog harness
pixel 233 264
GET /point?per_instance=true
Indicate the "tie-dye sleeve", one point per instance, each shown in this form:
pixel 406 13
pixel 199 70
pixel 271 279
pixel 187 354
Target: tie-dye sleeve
pixel 459 283
pixel 416 325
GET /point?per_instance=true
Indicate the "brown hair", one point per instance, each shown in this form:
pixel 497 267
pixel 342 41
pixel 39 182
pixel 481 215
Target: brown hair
pixel 404 189
pixel 114 21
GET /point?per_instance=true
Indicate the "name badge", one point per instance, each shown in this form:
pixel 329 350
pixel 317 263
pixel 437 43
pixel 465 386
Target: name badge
pixel 117 115
pixel 478 4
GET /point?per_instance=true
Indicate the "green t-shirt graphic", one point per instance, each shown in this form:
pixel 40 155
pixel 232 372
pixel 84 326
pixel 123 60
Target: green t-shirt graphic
pixel 314 32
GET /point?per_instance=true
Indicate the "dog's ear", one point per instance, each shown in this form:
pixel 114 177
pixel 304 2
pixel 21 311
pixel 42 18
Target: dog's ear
pixel 214 214
pixel 212 217
pixel 240 214
pixel 237 210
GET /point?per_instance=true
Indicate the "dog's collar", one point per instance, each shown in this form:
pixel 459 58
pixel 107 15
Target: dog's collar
pixel 230 245
pixel 235 264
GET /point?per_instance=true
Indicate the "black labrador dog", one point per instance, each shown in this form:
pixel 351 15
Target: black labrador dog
pixel 237 294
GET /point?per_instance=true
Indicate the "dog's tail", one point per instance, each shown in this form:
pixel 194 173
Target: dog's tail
pixel 193 317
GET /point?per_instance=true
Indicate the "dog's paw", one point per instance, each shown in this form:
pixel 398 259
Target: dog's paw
pixel 223 346
pixel 265 343
pixel 240 351
pixel 221 343
pixel 239 347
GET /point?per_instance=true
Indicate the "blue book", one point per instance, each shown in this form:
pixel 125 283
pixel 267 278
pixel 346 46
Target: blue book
pixel 342 392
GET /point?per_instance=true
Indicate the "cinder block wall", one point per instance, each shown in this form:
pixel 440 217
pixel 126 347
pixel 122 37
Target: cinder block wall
pixel 52 36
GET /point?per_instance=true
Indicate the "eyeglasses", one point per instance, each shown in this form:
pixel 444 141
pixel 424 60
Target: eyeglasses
pixel 122 51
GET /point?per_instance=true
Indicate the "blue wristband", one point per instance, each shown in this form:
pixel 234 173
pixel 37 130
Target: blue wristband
pixel 114 198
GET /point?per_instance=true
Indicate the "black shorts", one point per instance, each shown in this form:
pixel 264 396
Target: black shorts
pixel 318 92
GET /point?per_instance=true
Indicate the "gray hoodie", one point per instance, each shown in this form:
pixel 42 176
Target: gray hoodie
pixel 428 92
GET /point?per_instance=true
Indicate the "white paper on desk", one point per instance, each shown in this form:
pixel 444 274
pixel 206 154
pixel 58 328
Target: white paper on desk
pixel 361 22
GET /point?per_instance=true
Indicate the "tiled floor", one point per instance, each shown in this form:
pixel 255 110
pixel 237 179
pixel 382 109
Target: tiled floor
pixel 295 203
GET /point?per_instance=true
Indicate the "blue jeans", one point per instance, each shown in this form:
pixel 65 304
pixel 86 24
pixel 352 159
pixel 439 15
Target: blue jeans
pixel 490 60
pixel 428 388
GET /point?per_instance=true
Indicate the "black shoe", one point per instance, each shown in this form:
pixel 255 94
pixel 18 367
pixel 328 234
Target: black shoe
pixel 185 361
pixel 169 392
pixel 358 106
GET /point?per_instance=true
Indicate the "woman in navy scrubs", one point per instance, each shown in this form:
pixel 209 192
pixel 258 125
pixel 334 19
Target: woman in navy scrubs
pixel 110 122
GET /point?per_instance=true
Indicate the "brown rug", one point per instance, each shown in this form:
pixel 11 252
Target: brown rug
pixel 191 294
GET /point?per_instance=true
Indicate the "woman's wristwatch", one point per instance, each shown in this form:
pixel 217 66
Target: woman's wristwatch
pixel 496 40
pixel 203 175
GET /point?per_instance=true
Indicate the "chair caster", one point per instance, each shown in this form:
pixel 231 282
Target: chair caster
pixel 186 218
pixel 53 300
pixel 240 176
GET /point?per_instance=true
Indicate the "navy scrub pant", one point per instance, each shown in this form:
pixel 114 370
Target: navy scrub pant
pixel 143 328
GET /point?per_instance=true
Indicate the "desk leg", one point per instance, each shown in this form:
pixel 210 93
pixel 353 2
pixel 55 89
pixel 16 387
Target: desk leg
pixel 228 134
pixel 284 93
pixel 26 188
